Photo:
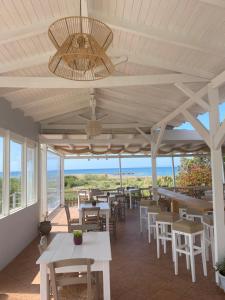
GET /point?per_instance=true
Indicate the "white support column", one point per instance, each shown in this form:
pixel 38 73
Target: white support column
pixel 121 179
pixel 217 177
pixel 62 198
pixel 154 171
pixel 43 181
pixel 173 170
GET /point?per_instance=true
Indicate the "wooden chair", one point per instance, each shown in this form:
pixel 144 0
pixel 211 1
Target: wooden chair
pixel 70 222
pixel 112 220
pixel 91 215
pixel 121 200
pixel 67 285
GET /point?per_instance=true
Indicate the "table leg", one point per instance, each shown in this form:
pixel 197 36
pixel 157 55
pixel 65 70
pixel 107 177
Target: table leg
pixel 106 281
pixel 107 221
pixel 44 282
pixel 130 194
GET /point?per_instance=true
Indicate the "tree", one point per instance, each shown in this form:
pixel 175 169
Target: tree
pixel 194 171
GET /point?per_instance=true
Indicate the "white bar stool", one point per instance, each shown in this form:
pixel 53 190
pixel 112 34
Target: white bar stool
pixel 209 237
pixel 189 230
pixel 153 211
pixel 164 221
pixel 194 215
pixel 144 205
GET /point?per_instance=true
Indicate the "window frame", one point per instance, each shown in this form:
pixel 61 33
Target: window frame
pixel 33 146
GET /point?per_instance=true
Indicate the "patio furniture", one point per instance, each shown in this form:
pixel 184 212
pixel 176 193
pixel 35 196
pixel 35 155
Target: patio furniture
pixel 194 215
pixel 90 215
pixel 112 220
pixel 190 230
pixel 208 226
pixel 144 205
pixel 164 221
pixel 96 246
pixel 121 200
pixel 64 284
pixel 70 222
pixel 104 211
pixel 43 244
pixel 153 211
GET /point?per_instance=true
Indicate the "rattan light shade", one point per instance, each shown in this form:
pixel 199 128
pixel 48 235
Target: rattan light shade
pixel 81 45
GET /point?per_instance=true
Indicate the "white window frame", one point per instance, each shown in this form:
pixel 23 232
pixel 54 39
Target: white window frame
pixel 34 146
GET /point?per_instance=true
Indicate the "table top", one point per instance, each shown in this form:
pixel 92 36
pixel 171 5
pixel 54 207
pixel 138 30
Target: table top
pixel 202 205
pixel 101 205
pixel 96 245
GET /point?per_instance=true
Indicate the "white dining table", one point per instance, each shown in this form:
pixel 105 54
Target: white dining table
pixel 96 245
pixel 104 211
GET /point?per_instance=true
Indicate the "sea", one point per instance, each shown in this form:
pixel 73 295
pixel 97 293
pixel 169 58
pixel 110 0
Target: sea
pixel 137 172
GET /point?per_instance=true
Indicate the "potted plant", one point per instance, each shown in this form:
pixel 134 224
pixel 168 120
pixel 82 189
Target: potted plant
pixel 77 237
pixel 45 226
pixel 220 267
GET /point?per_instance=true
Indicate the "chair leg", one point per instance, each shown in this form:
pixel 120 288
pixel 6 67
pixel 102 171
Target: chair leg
pixel 140 220
pixel 203 254
pixel 164 233
pixel 187 250
pixel 149 230
pixel 175 254
pixel 157 241
pixel 192 258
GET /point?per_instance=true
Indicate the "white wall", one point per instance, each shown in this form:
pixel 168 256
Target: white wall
pixel 16 232
pixel 20 228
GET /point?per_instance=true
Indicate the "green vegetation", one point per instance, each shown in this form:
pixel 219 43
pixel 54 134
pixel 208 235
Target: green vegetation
pixel 194 172
pixel 77 233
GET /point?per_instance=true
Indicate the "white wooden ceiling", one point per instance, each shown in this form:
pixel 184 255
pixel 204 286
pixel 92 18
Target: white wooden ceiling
pixel 183 37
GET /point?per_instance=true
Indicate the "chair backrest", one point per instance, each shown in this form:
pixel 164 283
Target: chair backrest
pixel 43 244
pixel 91 215
pixel 60 281
pixel 67 214
pixel 114 210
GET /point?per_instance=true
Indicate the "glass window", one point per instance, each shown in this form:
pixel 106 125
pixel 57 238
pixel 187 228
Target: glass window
pixel 53 181
pixel 15 179
pixel 1 171
pixel 31 196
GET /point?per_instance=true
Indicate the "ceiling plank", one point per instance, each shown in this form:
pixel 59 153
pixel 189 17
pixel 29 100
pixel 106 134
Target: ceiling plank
pixel 82 126
pixel 158 35
pixel 218 3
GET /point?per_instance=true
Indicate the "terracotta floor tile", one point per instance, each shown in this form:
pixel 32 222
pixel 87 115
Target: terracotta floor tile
pixel 136 273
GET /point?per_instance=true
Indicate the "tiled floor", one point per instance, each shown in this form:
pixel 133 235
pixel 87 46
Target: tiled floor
pixel 136 274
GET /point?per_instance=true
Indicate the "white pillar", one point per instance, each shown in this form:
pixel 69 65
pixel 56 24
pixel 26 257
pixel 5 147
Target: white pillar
pixel 62 195
pixel 154 171
pixel 217 177
pixel 173 170
pixel 121 179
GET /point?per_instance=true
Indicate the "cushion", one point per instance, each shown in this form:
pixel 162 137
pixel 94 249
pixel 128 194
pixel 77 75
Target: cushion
pixel 169 217
pixel 154 209
pixel 187 226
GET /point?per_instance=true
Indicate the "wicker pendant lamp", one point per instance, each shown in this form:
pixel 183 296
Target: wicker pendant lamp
pixel 93 127
pixel 81 44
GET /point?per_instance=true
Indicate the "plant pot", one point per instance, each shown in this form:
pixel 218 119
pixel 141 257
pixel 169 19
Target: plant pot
pixel 45 227
pixel 78 240
pixel 93 203
pixel 222 281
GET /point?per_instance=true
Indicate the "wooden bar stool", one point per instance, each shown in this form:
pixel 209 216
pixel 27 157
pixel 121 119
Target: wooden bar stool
pixel 189 230
pixel 153 211
pixel 164 221
pixel 209 236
